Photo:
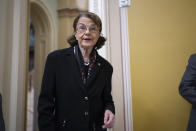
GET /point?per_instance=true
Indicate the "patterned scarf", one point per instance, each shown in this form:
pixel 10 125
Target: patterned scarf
pixel 86 69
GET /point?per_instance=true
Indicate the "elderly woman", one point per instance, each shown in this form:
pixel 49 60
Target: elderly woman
pixel 76 86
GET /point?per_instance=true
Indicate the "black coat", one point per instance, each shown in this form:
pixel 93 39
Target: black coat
pixel 65 104
pixel 2 126
pixel 188 90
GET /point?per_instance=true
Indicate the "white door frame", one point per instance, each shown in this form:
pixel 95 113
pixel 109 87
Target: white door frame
pixel 16 90
pixel 117 51
pixel 45 42
pixel 126 69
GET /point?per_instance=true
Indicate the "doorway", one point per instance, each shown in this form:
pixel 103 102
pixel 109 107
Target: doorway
pixel 30 90
pixel 42 41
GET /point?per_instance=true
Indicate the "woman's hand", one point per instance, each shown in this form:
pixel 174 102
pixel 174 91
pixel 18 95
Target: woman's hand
pixel 108 119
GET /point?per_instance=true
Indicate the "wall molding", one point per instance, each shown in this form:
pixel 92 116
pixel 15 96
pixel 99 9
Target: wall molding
pixel 100 7
pixel 126 69
pixel 117 51
pixel 46 14
pixel 18 65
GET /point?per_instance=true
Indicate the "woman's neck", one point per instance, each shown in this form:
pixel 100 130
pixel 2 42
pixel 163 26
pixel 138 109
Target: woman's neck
pixel 85 53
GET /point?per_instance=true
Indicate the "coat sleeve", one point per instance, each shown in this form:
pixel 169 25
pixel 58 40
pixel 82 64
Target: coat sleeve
pixel 2 126
pixel 187 86
pixel 108 100
pixel 46 100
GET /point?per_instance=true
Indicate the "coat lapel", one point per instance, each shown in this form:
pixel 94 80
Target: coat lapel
pixel 77 71
pixel 78 76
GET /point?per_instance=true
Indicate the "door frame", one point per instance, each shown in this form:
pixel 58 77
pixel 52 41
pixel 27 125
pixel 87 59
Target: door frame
pixel 117 38
pixel 45 42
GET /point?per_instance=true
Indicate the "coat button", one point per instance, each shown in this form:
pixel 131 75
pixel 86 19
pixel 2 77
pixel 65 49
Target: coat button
pixel 64 122
pixel 86 98
pixel 86 113
pixel 99 64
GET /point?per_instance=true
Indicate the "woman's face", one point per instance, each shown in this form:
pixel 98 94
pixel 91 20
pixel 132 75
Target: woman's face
pixel 87 33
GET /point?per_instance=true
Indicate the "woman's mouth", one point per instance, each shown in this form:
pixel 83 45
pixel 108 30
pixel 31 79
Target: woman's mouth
pixel 86 39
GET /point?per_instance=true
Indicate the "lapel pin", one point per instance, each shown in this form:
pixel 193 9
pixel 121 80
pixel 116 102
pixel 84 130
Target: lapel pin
pixel 99 64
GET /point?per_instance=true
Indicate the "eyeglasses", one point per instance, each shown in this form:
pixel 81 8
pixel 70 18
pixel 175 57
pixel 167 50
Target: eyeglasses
pixel 82 29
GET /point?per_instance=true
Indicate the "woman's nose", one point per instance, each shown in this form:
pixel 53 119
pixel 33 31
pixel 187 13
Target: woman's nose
pixel 87 31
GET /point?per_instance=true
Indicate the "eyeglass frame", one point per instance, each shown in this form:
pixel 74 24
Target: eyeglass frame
pixel 90 28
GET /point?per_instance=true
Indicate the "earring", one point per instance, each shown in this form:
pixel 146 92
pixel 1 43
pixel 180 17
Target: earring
pixel 75 37
pixel 101 34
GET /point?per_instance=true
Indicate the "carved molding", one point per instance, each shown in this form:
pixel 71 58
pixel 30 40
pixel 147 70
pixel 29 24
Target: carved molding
pixel 68 12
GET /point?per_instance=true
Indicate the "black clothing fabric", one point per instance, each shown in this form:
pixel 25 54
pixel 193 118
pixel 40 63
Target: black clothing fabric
pixel 64 104
pixel 187 89
pixel 2 125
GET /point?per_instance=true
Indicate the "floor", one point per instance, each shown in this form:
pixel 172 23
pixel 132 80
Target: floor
pixel 30 110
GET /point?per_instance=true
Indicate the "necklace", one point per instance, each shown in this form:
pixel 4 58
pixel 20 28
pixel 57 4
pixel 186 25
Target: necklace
pixel 86 63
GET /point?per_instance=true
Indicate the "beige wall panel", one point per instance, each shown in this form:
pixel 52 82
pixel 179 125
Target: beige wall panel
pixel 67 11
pixel 6 8
pixel 162 37
pixel 66 18
pixel 71 4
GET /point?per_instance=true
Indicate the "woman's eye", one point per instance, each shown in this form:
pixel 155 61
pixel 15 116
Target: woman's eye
pixel 93 29
pixel 82 27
